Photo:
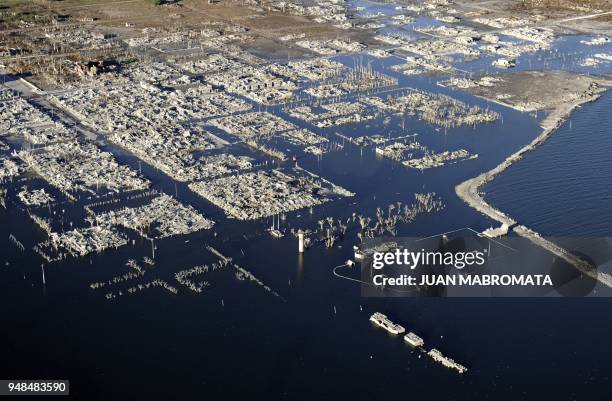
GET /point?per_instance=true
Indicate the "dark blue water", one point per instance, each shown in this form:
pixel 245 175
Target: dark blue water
pixel 236 341
pixel 564 187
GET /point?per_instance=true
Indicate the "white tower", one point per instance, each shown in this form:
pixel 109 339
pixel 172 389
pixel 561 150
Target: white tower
pixel 300 241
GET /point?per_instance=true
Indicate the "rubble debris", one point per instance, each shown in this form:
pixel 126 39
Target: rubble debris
pixel 163 217
pixel 75 166
pixel 260 194
pixel 36 197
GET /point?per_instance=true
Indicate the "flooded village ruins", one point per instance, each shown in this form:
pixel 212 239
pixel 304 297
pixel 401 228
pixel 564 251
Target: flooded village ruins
pixel 239 115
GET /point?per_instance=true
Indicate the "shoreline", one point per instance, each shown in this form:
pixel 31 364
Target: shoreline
pixel 468 190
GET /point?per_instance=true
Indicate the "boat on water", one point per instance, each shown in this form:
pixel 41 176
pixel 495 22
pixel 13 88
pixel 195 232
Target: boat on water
pixel 277 233
pixel 445 361
pixel 414 340
pixel 383 321
pixel 275 230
